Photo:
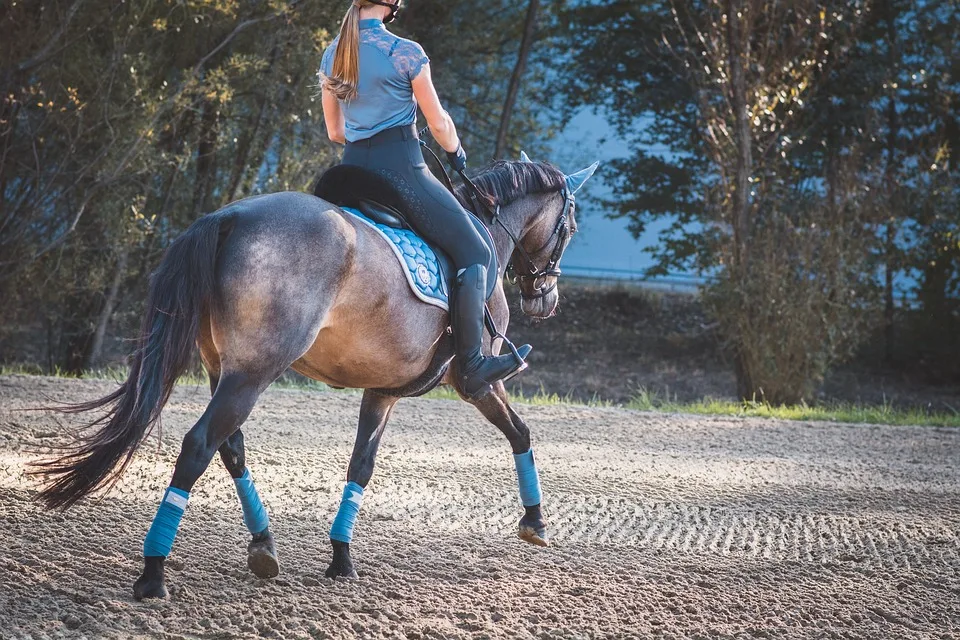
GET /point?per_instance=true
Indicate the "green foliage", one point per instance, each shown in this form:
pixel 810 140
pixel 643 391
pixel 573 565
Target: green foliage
pixel 766 139
pixel 473 48
pixel 121 123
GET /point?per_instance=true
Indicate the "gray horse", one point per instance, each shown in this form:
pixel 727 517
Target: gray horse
pixel 288 280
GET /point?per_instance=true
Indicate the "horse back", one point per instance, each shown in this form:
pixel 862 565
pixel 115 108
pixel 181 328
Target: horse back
pixel 303 284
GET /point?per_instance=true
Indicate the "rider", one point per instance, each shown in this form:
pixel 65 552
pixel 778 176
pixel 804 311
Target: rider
pixel 372 83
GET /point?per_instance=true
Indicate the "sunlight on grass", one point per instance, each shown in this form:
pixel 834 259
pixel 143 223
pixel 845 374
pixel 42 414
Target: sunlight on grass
pixel 644 400
pixel 541 397
pixel 834 412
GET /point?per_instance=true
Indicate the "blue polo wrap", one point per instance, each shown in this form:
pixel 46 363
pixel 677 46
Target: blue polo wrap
pixel 254 513
pixel 162 532
pixel 342 528
pixel 527 478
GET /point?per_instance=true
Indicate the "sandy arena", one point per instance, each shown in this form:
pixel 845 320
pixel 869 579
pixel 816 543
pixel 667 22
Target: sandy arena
pixel 663 526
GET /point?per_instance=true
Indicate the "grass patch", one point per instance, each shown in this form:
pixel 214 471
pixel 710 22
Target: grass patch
pixel 541 397
pixel 190 379
pixel 836 412
pixel 644 400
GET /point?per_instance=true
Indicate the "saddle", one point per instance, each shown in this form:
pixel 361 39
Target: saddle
pixel 372 198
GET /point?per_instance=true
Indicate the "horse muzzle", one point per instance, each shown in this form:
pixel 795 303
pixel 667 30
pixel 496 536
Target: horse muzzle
pixel 540 303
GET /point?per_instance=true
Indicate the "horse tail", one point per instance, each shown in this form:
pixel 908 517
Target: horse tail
pixel 181 289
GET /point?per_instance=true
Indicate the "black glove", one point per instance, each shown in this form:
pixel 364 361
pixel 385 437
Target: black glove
pixel 458 158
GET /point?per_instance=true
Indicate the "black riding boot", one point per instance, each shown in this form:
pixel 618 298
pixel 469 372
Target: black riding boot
pixel 477 371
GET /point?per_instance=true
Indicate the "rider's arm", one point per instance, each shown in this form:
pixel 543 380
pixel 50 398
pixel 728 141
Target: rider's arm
pixel 441 125
pixel 333 117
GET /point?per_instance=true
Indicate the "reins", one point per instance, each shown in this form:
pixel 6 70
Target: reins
pixel 480 202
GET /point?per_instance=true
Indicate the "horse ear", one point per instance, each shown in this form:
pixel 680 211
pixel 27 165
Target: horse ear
pixel 576 180
pixel 524 157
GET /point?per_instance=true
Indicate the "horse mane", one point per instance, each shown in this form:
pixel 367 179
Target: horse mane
pixel 505 181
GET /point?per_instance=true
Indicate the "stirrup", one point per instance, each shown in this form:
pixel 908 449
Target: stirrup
pixel 519 356
pixel 478 383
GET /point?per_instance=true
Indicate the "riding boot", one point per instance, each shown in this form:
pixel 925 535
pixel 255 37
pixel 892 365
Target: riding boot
pixel 477 371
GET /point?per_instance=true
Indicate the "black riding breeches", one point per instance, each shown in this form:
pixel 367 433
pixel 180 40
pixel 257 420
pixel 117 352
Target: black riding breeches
pixel 434 211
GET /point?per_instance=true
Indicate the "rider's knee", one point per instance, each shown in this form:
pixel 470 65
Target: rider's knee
pixel 474 251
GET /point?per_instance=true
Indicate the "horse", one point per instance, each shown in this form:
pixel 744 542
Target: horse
pixel 289 280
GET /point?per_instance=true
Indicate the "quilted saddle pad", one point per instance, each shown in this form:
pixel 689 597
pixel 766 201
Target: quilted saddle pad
pixel 426 272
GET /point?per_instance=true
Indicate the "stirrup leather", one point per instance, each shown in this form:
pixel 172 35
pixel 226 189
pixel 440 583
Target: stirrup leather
pixel 495 333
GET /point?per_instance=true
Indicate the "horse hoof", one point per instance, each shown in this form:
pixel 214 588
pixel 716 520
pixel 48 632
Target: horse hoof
pixel 262 558
pixel 341 570
pixel 149 588
pixel 534 535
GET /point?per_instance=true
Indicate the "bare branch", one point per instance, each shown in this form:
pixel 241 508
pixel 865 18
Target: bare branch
pixel 48 49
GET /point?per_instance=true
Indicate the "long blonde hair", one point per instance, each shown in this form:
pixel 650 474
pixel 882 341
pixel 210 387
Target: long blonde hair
pixel 345 75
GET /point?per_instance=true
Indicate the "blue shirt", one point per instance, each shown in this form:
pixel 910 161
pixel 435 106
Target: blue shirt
pixel 388 65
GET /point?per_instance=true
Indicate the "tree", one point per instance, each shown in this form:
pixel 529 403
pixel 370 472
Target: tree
pixel 475 54
pixel 725 86
pixel 121 123
pixel 118 123
pixel 530 25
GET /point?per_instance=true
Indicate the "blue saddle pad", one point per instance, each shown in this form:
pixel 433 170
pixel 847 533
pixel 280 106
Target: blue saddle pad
pixel 425 270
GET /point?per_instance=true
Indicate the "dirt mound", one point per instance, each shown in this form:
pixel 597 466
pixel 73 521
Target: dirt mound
pixel 667 526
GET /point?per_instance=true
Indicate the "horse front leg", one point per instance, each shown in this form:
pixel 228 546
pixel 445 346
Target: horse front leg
pixel 496 408
pixel 261 551
pixel 375 410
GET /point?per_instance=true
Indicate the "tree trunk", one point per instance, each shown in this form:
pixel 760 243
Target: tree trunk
pixel 529 28
pixel 77 332
pixel 268 131
pixel 206 157
pixel 743 168
pixel 243 155
pixel 893 132
pixel 888 302
pixel 742 136
pixel 109 306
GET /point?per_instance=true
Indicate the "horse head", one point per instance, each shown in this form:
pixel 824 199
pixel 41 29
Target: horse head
pixel 547 232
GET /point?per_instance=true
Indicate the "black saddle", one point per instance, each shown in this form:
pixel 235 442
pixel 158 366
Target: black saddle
pixel 370 193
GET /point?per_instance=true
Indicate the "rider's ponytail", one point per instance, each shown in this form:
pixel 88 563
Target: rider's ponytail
pixel 342 81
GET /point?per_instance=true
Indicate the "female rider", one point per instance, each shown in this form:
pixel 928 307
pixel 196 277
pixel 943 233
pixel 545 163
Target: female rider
pixel 372 83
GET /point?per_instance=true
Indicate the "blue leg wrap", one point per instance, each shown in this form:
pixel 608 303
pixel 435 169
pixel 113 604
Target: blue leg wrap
pixel 254 514
pixel 527 478
pixel 342 529
pixel 160 537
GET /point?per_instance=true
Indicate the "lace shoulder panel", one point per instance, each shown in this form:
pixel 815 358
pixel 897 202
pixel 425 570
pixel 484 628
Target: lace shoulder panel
pixel 407 56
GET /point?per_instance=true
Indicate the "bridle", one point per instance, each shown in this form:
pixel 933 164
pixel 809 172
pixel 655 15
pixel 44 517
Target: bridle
pixel 561 231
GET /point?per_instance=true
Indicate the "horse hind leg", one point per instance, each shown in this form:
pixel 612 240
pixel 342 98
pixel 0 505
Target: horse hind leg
pixel 261 551
pixel 496 408
pixel 232 402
